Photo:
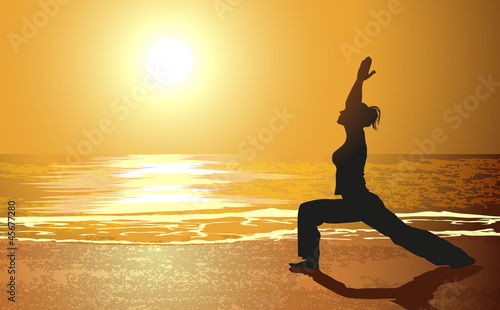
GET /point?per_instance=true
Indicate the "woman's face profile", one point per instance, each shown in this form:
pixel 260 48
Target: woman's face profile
pixel 346 117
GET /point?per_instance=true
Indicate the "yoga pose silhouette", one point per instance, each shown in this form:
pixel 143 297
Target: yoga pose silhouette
pixel 358 203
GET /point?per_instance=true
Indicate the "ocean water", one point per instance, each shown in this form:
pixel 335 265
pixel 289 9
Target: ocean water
pixel 203 199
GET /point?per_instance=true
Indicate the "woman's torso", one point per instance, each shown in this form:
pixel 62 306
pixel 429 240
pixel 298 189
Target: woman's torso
pixel 350 161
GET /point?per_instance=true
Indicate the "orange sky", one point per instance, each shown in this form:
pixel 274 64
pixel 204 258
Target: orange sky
pixel 66 66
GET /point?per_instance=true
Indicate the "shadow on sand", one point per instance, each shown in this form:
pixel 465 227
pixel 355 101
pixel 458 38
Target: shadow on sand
pixel 413 295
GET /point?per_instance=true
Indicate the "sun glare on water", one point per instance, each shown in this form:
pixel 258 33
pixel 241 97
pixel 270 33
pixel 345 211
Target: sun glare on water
pixel 169 61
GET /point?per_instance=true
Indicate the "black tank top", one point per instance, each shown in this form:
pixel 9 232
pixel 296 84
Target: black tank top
pixel 350 162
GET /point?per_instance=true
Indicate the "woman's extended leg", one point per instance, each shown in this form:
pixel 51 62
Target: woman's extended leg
pixel 314 213
pixel 420 242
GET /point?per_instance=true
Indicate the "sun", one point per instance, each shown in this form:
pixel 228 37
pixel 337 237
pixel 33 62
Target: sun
pixel 169 61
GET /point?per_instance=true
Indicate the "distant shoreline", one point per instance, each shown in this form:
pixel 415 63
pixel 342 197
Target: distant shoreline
pixel 323 157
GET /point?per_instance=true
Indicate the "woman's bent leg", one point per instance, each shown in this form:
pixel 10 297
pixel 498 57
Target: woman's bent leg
pixel 314 213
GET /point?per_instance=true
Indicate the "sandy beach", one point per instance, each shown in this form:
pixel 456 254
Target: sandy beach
pixel 357 274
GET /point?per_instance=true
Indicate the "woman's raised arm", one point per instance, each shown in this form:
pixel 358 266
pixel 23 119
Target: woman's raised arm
pixel 364 73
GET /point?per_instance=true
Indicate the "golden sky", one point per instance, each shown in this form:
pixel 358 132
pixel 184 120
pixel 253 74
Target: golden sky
pixel 269 77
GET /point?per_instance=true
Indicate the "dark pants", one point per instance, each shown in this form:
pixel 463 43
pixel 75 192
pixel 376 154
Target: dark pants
pixel 368 208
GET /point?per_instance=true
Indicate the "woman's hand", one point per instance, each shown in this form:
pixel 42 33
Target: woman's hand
pixel 364 68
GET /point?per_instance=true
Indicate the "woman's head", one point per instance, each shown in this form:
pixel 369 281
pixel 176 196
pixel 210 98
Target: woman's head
pixel 361 116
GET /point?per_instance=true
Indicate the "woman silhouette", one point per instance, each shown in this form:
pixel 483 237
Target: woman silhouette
pixel 358 203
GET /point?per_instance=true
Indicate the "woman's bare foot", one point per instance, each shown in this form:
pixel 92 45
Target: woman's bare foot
pixel 464 261
pixel 310 264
